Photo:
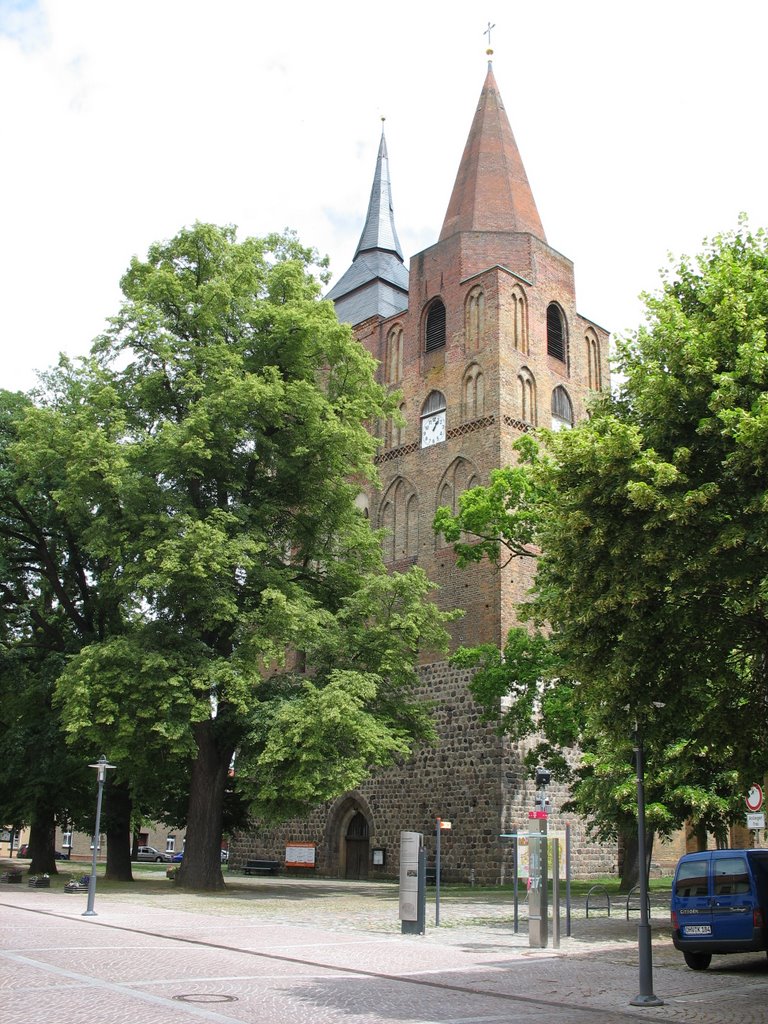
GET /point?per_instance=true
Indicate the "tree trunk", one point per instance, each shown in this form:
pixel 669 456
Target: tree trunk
pixel 630 868
pixel 117 827
pixel 42 843
pixel 201 867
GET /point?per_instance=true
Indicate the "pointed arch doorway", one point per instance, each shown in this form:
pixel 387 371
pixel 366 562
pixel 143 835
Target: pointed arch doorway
pixel 356 846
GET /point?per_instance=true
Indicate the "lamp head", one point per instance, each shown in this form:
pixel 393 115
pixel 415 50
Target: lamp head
pixel 101 767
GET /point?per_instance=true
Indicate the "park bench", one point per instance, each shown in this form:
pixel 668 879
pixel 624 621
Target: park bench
pixel 261 867
pixel 78 884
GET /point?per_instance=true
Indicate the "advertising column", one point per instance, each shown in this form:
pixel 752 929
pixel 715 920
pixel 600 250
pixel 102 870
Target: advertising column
pixel 413 897
pixel 537 879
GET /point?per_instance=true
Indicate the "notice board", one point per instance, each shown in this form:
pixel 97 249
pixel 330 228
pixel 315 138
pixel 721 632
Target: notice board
pixel 300 855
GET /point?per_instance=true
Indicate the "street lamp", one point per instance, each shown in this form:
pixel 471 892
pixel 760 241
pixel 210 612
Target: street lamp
pixel 645 996
pixel 101 767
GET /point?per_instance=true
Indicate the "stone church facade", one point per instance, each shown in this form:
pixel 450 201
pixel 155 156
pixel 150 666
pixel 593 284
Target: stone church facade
pixel 483 339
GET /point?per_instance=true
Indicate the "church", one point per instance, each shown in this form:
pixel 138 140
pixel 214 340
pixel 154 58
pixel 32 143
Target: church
pixel 482 338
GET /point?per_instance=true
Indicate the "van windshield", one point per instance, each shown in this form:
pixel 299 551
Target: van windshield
pixel 692 878
pixel 730 876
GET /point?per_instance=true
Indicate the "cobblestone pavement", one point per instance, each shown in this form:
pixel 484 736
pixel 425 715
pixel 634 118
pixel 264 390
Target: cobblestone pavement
pixel 288 951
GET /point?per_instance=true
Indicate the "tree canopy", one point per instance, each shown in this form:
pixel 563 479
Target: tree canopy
pixel 207 459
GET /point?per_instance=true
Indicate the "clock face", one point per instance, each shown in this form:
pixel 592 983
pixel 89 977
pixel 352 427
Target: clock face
pixel 432 429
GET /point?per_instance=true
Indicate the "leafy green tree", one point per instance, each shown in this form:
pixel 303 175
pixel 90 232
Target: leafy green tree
pixel 215 444
pixel 648 522
pixel 43 609
pixel 59 596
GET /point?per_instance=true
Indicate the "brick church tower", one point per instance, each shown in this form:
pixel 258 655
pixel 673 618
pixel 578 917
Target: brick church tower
pixel 483 340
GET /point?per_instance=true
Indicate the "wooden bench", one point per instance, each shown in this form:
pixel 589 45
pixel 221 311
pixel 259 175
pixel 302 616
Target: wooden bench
pixel 261 867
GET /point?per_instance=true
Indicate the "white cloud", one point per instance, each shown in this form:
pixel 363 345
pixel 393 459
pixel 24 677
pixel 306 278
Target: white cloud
pixel 640 126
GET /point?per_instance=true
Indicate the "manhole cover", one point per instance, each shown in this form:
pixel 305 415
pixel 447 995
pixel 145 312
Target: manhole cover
pixel 206 997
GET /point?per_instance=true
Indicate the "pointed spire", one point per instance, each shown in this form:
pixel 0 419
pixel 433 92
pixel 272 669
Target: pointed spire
pixel 376 284
pixel 379 231
pixel 491 192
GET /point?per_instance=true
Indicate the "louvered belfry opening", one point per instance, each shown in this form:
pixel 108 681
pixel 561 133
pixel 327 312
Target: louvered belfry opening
pixel 561 406
pixel 555 332
pixel 435 329
pixel 435 402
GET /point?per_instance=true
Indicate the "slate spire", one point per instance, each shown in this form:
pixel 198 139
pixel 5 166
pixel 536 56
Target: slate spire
pixel 376 284
pixel 491 192
pixel 379 231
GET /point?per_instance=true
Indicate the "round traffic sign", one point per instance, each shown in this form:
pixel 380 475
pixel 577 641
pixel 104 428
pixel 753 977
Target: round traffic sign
pixel 755 798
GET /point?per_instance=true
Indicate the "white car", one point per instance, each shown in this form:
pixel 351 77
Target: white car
pixel 150 853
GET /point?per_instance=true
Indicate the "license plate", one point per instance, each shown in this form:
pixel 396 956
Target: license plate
pixel 697 929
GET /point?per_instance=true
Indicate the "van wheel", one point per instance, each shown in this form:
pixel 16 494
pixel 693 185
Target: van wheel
pixel 698 961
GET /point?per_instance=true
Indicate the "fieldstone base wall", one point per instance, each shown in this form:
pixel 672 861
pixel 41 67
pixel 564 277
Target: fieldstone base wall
pixel 472 778
pixel 588 858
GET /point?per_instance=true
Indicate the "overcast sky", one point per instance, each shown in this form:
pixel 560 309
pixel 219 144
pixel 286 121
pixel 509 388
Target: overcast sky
pixel 642 127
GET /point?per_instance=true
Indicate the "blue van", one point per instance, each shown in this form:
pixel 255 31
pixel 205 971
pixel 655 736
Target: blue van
pixel 720 904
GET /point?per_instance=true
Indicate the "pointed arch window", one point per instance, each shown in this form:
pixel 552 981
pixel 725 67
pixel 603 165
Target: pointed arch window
pixel 556 340
pixel 362 504
pixel 473 393
pixel 519 321
pixel 459 477
pixel 434 328
pixel 387 523
pixel 594 376
pixel 395 355
pixel 474 319
pixel 562 409
pixel 399 519
pixel 398 432
pixel 527 385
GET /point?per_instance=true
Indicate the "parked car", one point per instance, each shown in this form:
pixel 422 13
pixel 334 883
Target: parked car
pixel 24 852
pixel 180 856
pixel 719 904
pixel 150 853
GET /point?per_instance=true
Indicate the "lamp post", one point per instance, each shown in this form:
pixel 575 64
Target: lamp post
pixel 101 767
pixel 645 996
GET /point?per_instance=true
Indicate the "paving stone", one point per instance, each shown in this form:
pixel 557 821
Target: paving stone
pixel 280 952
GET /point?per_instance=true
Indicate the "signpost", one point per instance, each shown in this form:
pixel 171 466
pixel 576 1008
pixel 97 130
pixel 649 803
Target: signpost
pixel 754 802
pixel 441 825
pixel 754 799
